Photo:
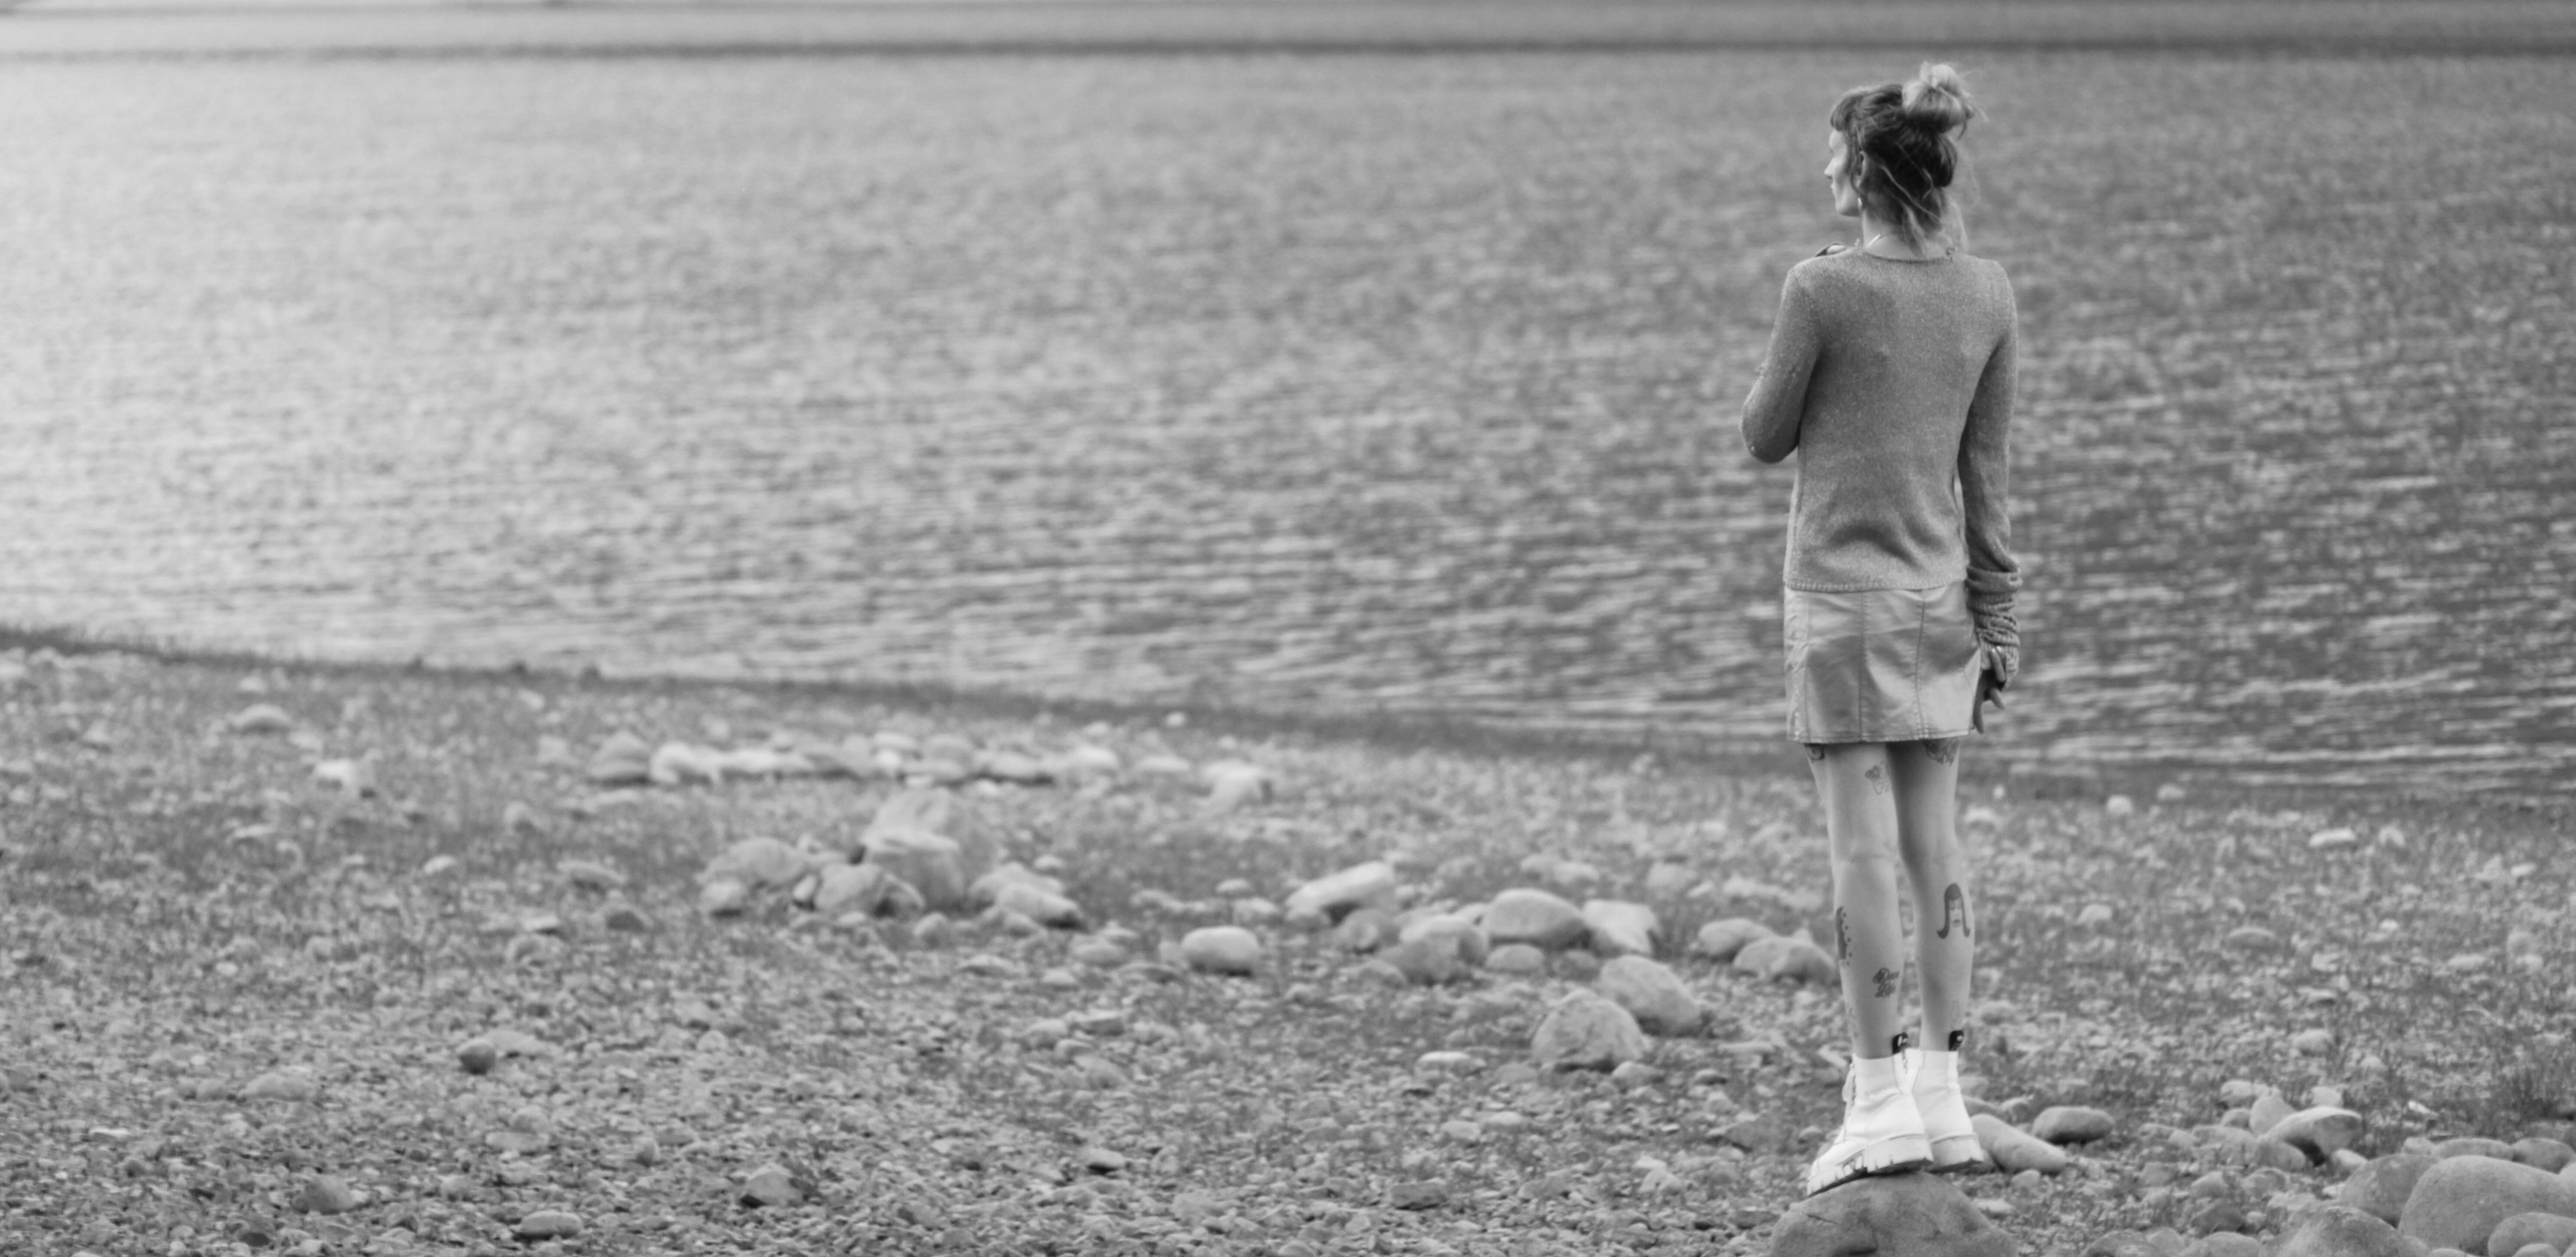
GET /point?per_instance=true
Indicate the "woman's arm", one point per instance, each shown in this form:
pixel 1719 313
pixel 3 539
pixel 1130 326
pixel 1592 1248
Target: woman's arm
pixel 1778 403
pixel 1985 473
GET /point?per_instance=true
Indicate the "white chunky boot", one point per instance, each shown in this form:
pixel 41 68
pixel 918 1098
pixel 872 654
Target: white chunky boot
pixel 1955 1148
pixel 1882 1131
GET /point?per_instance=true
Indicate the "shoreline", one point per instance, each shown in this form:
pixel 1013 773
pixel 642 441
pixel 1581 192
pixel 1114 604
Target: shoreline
pixel 1393 731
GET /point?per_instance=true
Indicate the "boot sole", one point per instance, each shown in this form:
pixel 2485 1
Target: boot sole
pixel 1889 1156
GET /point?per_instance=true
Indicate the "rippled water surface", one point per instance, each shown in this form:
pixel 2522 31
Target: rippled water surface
pixel 1328 382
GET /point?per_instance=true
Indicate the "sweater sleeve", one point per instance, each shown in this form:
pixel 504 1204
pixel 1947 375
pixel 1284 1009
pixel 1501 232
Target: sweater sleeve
pixel 1773 411
pixel 1984 483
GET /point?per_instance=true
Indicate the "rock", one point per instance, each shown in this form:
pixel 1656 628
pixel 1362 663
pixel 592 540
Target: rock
pixel 262 718
pixel 1038 904
pixel 1577 966
pixel 1667 880
pixel 2319 1132
pixel 1085 761
pixel 1233 783
pixel 280 1085
pixel 933 864
pixel 1917 1215
pixel 2122 1244
pixel 933 929
pixel 2250 938
pixel 1464 939
pixel 2331 839
pixel 1620 928
pixel 1221 949
pixel 678 763
pixel 2541 1153
pixel 1338 895
pixel 1586 1031
pixel 1516 958
pixel 2339 1231
pixel 2014 1150
pixel 1099 953
pixel 770 1186
pixel 1721 940
pixel 2525 1229
pixel 1365 930
pixel 987 890
pixel 325 1193
pixel 2313 1043
pixel 851 888
pixel 1457 1063
pixel 2119 805
pixel 2237 1093
pixel 1534 917
pixel 2224 1244
pixel 2217 1215
pixel 1423 962
pixel 2473 1146
pixel 355 778
pixel 1099 1160
pixel 1784 958
pixel 477 1056
pixel 622 760
pixel 1632 1075
pixel 2459 1201
pixel 2266 1112
pixel 758 862
pixel 2270 1153
pixel 590 875
pixel 724 897
pixel 1652 994
pixel 1762 1134
pixel 1425 1194
pixel 2071 1124
pixel 547 1224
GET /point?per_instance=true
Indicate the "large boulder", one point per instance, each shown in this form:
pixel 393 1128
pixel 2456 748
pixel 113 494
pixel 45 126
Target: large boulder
pixel 1787 958
pixel 2523 1230
pixel 2320 1132
pixel 2014 1150
pixel 1917 1215
pixel 1652 994
pixel 1335 895
pixel 1534 917
pixel 2380 1187
pixel 931 863
pixel 1586 1031
pixel 2339 1231
pixel 2071 1124
pixel 2459 1200
pixel 1620 928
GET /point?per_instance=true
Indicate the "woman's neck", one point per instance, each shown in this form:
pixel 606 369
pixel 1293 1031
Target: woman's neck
pixel 1878 238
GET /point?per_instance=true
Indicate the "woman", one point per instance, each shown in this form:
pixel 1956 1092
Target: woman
pixel 1890 373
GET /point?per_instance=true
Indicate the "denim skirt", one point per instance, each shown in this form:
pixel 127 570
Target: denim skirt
pixel 1880 665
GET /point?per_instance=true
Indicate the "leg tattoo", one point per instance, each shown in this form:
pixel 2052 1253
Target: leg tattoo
pixel 1954 912
pixel 1877 775
pixel 1842 937
pixel 1942 750
pixel 1886 979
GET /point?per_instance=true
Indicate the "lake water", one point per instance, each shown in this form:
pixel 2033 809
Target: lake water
pixel 1348 383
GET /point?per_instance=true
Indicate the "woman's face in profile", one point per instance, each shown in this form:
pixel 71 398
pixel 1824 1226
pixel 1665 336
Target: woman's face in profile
pixel 1838 174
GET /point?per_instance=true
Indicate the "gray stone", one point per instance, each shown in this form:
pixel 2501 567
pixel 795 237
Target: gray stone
pixel 987 890
pixel 1534 917
pixel 2267 1111
pixel 2071 1124
pixel 477 1056
pixel 1337 895
pixel 1577 966
pixel 724 897
pixel 1364 930
pixel 2473 1146
pixel 1221 949
pixel 2338 1231
pixel 326 1194
pixel 622 760
pixel 591 875
pixel 2523 1230
pixel 1620 928
pixel 1918 1215
pixel 1423 962
pixel 2541 1153
pixel 1464 939
pixel 1787 959
pixel 280 1085
pixel 2224 1244
pixel 1425 1194
pixel 1039 904
pixel 2014 1150
pixel 1586 1031
pixel 931 863
pixel 2458 1201
pixel 771 1186
pixel 2122 1244
pixel 1653 994
pixel 1516 958
pixel 2215 1216
pixel 2319 1132
pixel 547 1224
pixel 1721 940
pixel 850 888
pixel 758 862
pixel 2279 1154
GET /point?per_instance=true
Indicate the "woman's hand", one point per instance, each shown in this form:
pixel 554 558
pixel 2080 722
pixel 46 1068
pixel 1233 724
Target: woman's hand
pixel 1990 689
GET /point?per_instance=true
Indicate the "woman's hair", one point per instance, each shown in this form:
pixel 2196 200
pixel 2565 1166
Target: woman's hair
pixel 1899 137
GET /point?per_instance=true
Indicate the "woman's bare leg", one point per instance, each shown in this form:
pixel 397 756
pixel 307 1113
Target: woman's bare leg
pixel 1927 811
pixel 1856 784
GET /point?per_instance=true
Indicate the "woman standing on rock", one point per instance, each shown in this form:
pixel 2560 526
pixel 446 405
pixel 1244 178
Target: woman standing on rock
pixel 1890 374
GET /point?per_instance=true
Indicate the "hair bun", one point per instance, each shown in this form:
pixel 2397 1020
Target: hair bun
pixel 1936 99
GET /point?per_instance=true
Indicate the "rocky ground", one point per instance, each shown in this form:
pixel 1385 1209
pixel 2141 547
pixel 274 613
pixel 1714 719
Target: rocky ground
pixel 349 961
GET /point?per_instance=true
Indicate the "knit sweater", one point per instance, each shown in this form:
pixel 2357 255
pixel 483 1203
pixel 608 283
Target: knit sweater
pixel 1892 380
